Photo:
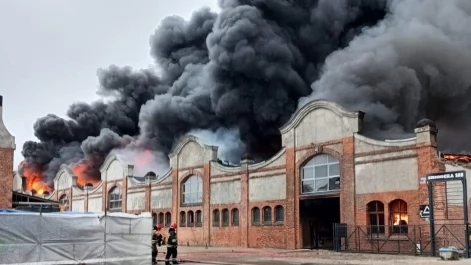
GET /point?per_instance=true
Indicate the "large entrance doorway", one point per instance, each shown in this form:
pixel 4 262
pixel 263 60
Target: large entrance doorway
pixel 317 218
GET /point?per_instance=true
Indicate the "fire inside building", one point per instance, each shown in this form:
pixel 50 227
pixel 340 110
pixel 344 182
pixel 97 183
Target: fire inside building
pixel 326 173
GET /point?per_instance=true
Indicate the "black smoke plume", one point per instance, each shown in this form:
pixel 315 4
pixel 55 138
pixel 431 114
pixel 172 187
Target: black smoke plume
pixel 240 74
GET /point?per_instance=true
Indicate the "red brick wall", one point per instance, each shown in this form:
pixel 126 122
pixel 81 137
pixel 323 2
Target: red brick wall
pixel 6 177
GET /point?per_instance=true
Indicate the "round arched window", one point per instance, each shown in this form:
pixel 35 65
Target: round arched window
pixel 320 174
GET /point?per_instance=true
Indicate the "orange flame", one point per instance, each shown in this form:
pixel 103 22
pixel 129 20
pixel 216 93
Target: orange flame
pixel 80 170
pixel 452 157
pixel 33 180
pixel 398 217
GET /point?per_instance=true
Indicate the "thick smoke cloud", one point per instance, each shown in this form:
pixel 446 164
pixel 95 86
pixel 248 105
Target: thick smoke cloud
pixel 240 75
pixel 412 65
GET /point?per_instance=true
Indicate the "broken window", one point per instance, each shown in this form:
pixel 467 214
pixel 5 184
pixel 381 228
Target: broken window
pixel 235 217
pixel 320 174
pixel 168 219
pixel 64 201
pixel 115 199
pixel 216 216
pixel 199 218
pixel 375 217
pixel 182 219
pixel 192 190
pixel 191 218
pixel 255 216
pixel 279 214
pixel 225 217
pixel 398 218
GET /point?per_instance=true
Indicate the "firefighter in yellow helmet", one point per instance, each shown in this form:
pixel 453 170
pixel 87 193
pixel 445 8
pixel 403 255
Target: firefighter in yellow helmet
pixel 156 241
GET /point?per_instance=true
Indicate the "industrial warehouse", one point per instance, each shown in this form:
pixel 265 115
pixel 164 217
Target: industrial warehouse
pixel 326 173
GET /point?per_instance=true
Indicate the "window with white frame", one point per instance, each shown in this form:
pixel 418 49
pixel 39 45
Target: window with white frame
pixel 192 190
pixel 321 174
pixel 115 199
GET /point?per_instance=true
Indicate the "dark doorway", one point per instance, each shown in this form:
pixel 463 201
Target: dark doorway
pixel 317 218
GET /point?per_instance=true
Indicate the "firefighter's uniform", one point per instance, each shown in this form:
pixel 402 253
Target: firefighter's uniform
pixel 156 241
pixel 172 245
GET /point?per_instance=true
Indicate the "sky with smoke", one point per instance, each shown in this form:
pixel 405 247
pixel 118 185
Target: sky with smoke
pixel 236 76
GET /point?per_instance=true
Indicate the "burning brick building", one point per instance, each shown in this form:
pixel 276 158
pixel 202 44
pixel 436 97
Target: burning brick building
pixel 7 147
pixel 327 172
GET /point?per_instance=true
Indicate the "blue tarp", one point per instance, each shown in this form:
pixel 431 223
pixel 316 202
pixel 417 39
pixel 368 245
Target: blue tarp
pixel 11 211
pixel 17 211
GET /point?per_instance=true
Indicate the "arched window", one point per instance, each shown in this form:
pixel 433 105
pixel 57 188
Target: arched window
pixel 161 218
pixel 267 215
pixel 115 199
pixel 321 174
pixel 199 218
pixel 375 217
pixel 168 219
pixel 154 219
pixel 225 217
pixel 235 217
pixel 255 216
pixel 191 218
pixel 64 201
pixel 182 219
pixel 216 216
pixel 279 214
pixel 192 190
pixel 398 217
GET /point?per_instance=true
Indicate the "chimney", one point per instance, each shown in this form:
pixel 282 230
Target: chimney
pixel 74 181
pixel 23 182
pixel 426 132
pixel 130 171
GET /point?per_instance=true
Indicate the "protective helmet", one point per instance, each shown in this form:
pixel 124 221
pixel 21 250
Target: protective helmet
pixel 174 226
pixel 157 227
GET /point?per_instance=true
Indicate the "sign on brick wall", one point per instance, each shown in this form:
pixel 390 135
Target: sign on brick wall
pixel 424 211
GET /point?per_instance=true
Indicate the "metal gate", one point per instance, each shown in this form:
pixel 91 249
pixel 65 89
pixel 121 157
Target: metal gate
pixel 448 211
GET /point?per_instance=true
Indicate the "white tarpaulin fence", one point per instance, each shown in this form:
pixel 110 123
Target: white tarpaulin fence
pixel 68 238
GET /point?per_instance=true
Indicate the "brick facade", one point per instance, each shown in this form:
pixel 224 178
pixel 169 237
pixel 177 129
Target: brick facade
pixel 371 171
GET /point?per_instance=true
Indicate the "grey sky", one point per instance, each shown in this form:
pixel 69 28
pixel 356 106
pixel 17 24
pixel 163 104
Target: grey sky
pixel 50 51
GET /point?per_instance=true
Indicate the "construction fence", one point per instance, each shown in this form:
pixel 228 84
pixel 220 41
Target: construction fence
pixel 75 238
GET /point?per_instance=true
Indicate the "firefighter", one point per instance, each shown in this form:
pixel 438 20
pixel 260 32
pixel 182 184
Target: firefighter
pixel 172 245
pixel 156 241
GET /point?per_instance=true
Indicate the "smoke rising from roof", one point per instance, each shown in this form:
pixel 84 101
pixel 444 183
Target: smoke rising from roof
pixel 413 64
pixel 240 75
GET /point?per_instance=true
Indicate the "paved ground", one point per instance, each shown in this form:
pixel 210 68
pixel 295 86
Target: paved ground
pixel 240 256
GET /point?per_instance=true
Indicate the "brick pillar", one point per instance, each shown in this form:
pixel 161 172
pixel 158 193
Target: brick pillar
pixel 125 195
pixel 7 147
pixel 148 195
pixel 6 177
pixel 207 204
pixel 427 158
pixel 175 196
pixel 292 232
pixel 347 183
pixel 104 194
pixel 244 216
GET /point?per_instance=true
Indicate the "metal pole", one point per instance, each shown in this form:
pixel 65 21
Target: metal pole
pixel 432 219
pixel 466 221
